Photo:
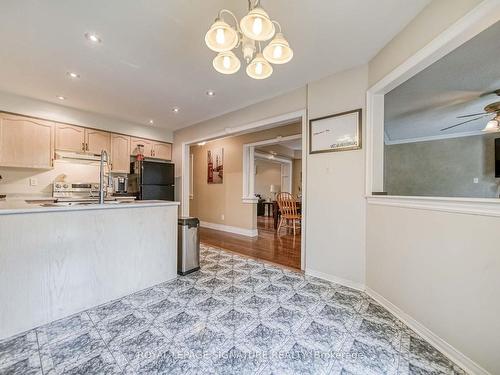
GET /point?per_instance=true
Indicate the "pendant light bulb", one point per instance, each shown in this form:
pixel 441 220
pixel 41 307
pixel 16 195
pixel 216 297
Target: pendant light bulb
pixel 278 50
pixel 259 68
pixel 221 37
pixel 257 25
pixel 226 63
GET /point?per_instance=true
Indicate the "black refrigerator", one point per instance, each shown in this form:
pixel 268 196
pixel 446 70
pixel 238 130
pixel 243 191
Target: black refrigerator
pixel 152 180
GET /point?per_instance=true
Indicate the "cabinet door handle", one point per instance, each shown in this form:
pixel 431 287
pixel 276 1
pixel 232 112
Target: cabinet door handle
pixel 83 146
pixel 87 146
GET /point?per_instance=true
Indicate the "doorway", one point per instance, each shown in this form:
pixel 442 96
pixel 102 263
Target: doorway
pixel 253 241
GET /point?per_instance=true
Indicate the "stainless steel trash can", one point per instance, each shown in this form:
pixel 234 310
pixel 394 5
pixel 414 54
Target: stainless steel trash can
pixel 188 245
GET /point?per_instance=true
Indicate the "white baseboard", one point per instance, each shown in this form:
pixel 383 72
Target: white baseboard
pixel 230 229
pixel 456 356
pixel 334 279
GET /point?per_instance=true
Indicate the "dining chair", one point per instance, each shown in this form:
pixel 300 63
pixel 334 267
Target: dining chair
pixel 288 208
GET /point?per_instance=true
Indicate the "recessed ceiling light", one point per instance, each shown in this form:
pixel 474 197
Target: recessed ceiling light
pixel 211 93
pixel 202 143
pixel 60 97
pixel 176 109
pixel 94 38
pixel 151 122
pixel 73 75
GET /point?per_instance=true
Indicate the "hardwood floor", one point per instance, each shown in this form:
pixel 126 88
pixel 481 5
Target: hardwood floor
pixel 283 249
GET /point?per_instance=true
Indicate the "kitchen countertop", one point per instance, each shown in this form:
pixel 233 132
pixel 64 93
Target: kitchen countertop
pixel 20 206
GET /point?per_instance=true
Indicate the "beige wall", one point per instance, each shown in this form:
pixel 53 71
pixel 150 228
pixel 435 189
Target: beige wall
pixel 16 181
pixel 335 204
pixel 267 173
pixel 50 111
pixel 211 202
pixel 438 262
pixel 283 104
pixel 296 177
pixel 442 269
pixel 433 20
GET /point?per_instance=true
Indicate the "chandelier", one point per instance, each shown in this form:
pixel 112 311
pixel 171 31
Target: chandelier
pixel 253 29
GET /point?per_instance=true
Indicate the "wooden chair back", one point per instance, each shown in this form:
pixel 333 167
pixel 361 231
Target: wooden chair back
pixel 287 205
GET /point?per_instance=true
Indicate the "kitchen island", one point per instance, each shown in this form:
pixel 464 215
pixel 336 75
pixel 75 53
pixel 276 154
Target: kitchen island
pixel 59 260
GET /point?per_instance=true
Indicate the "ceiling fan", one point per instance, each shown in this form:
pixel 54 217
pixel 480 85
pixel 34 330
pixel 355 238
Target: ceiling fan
pixel 491 109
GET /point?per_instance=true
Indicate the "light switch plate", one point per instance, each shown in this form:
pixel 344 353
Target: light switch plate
pixel 476 180
pixel 33 182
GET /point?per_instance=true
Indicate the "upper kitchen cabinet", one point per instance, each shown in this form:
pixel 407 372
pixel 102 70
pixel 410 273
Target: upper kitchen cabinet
pixel 26 142
pixel 78 139
pixel 143 145
pixel 70 138
pixel 96 141
pixel 162 150
pixel 120 153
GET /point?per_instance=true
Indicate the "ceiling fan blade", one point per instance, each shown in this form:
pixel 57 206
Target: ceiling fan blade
pixel 461 123
pixel 473 114
pixel 497 92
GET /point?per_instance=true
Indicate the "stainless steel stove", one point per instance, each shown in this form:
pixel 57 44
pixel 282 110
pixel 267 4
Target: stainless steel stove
pixel 75 191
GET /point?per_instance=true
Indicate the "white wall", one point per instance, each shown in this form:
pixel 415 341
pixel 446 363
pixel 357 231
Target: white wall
pixel 336 235
pixel 443 269
pixel 50 111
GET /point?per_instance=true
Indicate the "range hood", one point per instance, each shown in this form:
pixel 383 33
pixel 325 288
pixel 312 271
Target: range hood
pixel 69 155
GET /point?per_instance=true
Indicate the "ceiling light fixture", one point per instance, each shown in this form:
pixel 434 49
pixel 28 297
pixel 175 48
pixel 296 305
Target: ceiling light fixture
pixel 60 97
pixel 73 75
pixel 94 38
pixel 211 93
pixel 226 63
pixel 492 125
pixel 254 28
pixel 176 109
pixel 202 143
pixel 151 122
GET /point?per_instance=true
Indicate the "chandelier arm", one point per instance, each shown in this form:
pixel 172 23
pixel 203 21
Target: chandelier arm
pixel 254 5
pixel 278 24
pixel 222 11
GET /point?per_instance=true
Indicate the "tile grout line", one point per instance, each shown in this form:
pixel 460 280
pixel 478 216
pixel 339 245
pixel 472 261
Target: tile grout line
pixel 105 343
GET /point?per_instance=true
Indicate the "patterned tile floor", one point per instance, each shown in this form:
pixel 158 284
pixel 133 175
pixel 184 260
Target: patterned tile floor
pixel 235 316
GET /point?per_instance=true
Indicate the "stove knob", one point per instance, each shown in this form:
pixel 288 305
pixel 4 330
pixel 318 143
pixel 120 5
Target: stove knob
pixel 58 186
pixel 65 186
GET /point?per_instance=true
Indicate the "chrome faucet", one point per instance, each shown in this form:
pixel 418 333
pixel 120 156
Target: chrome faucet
pixel 104 159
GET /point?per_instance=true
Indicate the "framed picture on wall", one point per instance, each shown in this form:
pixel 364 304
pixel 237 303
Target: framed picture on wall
pixel 338 132
pixel 215 166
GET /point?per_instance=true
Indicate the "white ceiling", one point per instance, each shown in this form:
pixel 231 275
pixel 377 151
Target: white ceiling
pixel 450 87
pixel 153 56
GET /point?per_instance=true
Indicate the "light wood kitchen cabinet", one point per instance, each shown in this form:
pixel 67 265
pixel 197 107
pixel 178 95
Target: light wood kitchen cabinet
pixel 26 142
pixel 120 153
pixel 70 138
pixel 78 139
pixel 162 150
pixel 145 145
pixel 96 141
